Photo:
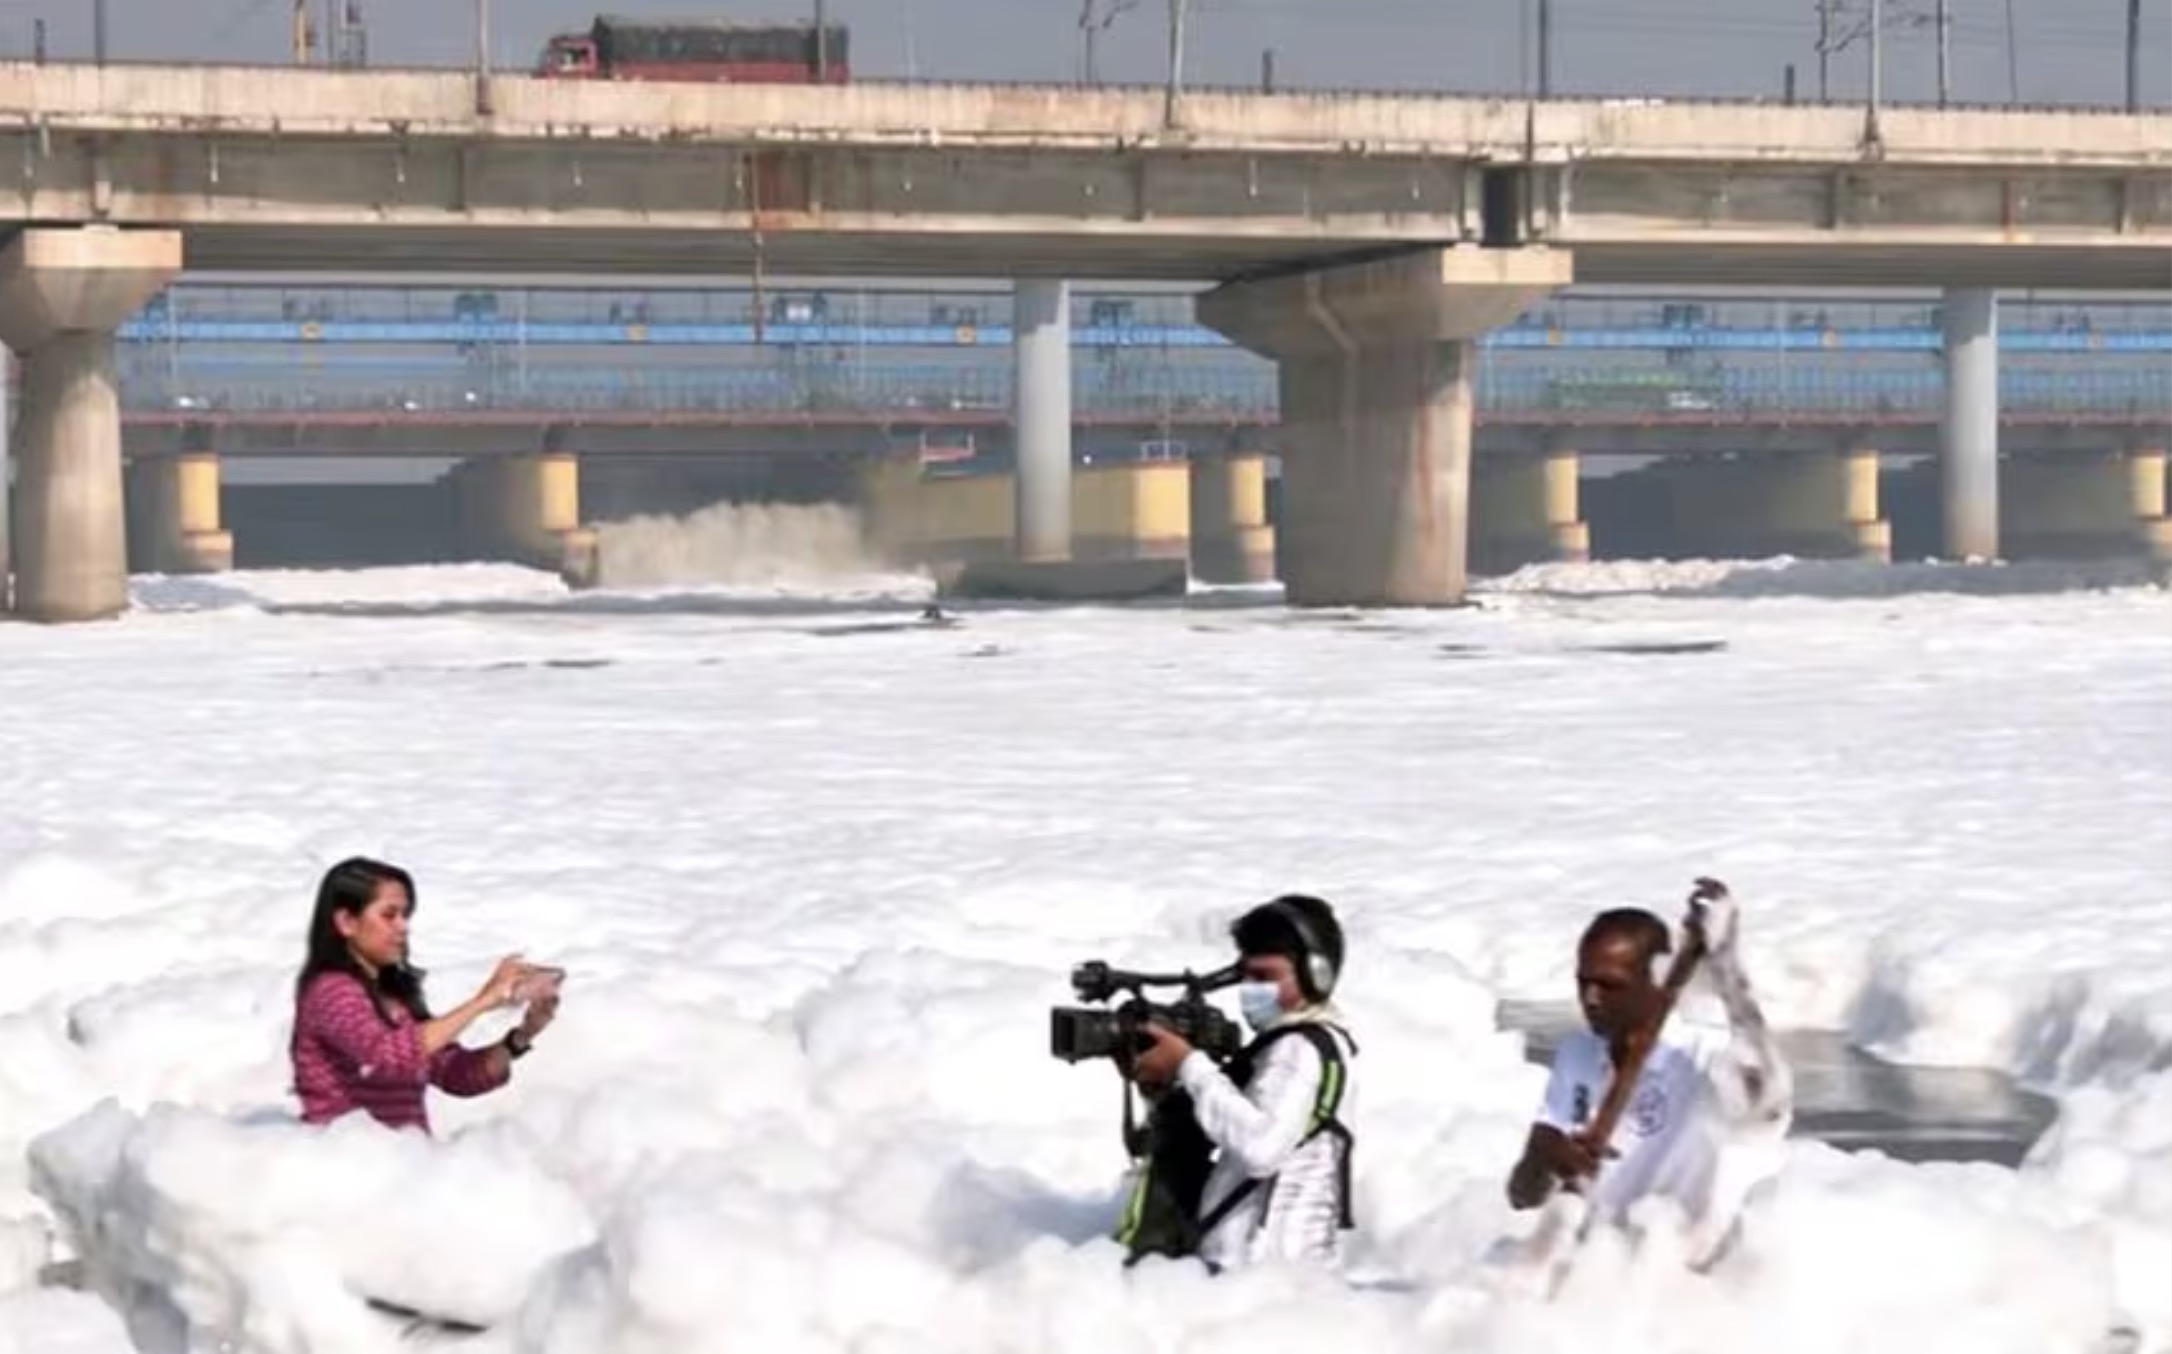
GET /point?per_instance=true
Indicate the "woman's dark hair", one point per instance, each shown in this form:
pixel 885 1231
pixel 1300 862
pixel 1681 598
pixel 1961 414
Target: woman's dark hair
pixel 348 887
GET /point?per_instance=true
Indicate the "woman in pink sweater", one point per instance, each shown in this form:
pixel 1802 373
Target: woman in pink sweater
pixel 364 1038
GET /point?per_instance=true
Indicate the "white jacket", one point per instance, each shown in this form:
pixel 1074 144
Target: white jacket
pixel 1709 1118
pixel 1295 1215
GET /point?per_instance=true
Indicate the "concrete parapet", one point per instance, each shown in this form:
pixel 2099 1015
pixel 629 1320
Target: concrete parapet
pixel 174 515
pixel 63 292
pixel 1375 367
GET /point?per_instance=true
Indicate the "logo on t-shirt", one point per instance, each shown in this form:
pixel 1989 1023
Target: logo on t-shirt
pixel 1648 1110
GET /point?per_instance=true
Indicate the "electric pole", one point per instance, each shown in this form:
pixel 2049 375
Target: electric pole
pixel 1825 50
pixel 1545 49
pixel 1944 21
pixel 2134 56
pixel 482 57
pixel 1176 63
pixel 1871 134
pixel 98 31
pixel 1096 17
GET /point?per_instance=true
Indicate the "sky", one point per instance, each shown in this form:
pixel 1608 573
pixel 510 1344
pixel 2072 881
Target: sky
pixel 2065 51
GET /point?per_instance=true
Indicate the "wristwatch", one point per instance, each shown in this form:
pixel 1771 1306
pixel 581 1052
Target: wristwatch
pixel 517 1045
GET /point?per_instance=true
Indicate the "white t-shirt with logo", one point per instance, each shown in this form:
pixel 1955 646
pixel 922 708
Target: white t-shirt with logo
pixel 1674 1139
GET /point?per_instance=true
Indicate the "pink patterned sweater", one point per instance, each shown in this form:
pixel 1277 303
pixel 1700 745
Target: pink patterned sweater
pixel 347 1057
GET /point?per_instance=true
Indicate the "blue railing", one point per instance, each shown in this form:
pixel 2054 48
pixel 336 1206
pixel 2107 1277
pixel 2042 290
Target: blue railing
pixel 1175 391
pixel 882 318
pixel 512 334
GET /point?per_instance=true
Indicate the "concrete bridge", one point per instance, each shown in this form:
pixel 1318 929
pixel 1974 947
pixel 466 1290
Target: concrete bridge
pixel 301 169
pixel 1362 241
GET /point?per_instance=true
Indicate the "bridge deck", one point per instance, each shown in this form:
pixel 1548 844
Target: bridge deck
pixel 313 170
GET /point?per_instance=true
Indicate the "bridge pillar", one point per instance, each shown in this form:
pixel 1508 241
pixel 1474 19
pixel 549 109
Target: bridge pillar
pixel 174 504
pixel 1969 451
pixel 2146 468
pixel 1231 541
pixel 63 293
pixel 1376 362
pixel 1131 504
pixel 2087 507
pixel 1525 510
pixel 7 476
pixel 1041 415
pixel 1816 506
pixel 527 508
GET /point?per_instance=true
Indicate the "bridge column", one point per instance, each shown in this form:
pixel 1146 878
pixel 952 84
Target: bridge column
pixel 1969 452
pixel 7 477
pixel 2087 507
pixel 1376 362
pixel 173 505
pixel 2146 469
pixel 1044 560
pixel 1814 506
pixel 1231 541
pixel 1525 510
pixel 527 508
pixel 63 293
pixel 1041 414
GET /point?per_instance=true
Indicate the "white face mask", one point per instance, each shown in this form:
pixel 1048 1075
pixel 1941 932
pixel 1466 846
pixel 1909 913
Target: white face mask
pixel 1260 1003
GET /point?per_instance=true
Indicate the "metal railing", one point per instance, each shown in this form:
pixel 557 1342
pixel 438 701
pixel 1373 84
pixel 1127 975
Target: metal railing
pixel 855 318
pixel 1172 391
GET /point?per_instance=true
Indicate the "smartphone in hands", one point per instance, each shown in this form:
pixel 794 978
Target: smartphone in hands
pixel 539 982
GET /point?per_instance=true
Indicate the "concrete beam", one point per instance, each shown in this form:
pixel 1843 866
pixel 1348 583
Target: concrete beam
pixel 62 294
pixel 1427 295
pixel 80 280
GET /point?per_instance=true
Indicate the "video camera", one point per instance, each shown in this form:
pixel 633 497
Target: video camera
pixel 1079 1033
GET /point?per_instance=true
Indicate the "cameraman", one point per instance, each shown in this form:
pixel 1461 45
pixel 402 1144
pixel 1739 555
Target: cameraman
pixel 1279 1187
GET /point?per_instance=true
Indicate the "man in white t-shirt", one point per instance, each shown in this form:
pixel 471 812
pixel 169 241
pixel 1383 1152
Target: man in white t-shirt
pixel 1711 1108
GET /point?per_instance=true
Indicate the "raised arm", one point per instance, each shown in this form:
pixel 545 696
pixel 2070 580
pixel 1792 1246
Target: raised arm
pixel 1750 1074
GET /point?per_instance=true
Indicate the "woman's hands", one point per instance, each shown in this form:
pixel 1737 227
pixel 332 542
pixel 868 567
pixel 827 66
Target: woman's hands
pixel 503 987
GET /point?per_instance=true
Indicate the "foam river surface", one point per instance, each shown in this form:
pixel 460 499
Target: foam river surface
pixel 818 877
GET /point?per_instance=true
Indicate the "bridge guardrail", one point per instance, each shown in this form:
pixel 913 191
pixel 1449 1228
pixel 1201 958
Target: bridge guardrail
pixel 1185 392
pixel 857 317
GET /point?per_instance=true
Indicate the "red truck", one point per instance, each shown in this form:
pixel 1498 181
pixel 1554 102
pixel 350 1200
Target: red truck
pixel 725 51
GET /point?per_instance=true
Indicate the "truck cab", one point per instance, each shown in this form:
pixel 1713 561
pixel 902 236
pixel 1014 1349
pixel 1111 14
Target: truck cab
pixel 571 56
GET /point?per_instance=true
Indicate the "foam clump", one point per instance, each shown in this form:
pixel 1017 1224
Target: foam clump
pixel 278 1230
